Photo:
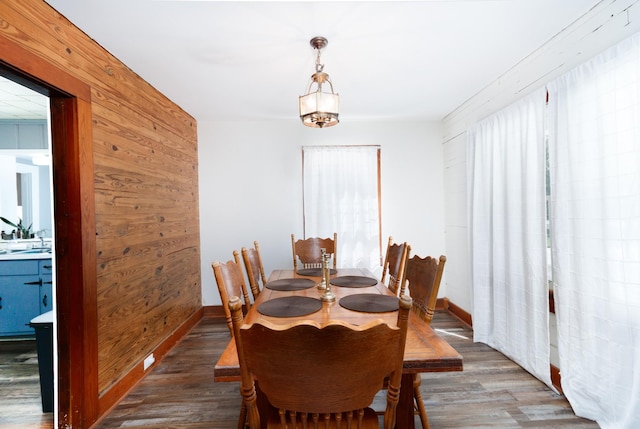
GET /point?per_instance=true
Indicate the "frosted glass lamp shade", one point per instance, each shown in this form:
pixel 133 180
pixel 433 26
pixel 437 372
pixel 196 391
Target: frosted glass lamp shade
pixel 319 109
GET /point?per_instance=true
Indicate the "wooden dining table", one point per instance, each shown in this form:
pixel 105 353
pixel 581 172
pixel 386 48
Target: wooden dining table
pixel 425 350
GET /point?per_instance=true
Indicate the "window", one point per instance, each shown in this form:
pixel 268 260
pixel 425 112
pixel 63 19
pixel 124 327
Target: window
pixel 341 194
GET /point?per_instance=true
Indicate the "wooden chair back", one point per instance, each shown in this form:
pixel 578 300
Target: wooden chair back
pixel 423 276
pixel 230 281
pixel 253 267
pixel 394 264
pixel 315 373
pixel 308 251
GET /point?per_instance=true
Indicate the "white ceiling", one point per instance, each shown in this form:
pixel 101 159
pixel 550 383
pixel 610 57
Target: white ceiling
pixel 241 60
pixel 18 102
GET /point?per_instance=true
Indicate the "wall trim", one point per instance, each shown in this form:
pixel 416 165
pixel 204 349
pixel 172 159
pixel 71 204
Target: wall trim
pixel 111 397
pixel 555 378
pixel 214 312
pixel 457 312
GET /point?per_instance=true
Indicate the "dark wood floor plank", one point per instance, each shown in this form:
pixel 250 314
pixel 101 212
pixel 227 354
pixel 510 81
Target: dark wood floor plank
pixel 180 392
pixel 491 392
pixel 20 403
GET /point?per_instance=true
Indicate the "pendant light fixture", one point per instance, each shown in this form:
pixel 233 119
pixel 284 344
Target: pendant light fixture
pixel 319 109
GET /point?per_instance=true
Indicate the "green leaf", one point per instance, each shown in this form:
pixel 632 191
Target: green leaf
pixel 8 222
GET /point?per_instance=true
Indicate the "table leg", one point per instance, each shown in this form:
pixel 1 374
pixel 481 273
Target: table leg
pixel 404 412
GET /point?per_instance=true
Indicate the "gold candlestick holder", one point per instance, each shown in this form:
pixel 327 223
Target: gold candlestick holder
pixel 322 285
pixel 327 296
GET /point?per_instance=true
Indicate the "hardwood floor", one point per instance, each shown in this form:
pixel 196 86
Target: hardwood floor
pixel 20 403
pixel 491 392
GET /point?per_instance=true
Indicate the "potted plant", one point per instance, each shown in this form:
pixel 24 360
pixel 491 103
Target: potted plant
pixel 21 230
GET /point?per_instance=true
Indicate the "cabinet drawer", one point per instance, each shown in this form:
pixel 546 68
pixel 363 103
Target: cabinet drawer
pixel 19 267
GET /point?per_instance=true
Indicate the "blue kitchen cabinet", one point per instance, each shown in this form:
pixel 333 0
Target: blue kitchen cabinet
pixel 25 292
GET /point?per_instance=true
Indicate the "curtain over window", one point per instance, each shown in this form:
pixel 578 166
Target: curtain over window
pixel 341 195
pixel 506 157
pixel 595 220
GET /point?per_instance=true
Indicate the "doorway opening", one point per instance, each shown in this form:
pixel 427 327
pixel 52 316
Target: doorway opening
pixel 25 201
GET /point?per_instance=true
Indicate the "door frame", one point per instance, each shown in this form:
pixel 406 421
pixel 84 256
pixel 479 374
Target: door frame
pixel 75 241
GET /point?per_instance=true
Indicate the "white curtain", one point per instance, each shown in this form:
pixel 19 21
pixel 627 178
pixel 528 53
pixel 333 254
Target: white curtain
pixel 595 220
pixel 507 224
pixel 341 195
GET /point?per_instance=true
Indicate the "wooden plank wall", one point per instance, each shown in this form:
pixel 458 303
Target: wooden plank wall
pixel 146 191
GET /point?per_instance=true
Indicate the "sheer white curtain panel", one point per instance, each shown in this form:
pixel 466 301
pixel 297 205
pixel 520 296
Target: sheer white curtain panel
pixel 507 224
pixel 595 219
pixel 341 195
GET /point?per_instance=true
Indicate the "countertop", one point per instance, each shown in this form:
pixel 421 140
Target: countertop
pixel 19 256
pixel 11 250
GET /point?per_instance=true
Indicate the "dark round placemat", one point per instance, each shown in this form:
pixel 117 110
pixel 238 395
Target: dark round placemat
pixel 370 302
pixel 317 272
pixel 290 306
pixel 290 284
pixel 353 281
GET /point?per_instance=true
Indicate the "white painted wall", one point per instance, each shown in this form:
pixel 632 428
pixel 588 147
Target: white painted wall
pixel 250 177
pixel 603 26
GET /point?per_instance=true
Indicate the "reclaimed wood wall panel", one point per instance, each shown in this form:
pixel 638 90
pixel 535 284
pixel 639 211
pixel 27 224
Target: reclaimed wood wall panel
pixel 146 191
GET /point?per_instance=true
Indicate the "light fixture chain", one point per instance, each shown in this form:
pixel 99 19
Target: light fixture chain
pixel 319 67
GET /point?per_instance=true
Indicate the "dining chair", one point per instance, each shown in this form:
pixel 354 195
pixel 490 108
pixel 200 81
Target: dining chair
pixel 423 276
pixel 253 266
pixel 315 374
pixel 309 253
pixel 394 262
pixel 230 280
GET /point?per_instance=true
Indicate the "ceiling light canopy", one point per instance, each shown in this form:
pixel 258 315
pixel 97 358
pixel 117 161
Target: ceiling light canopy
pixel 319 109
